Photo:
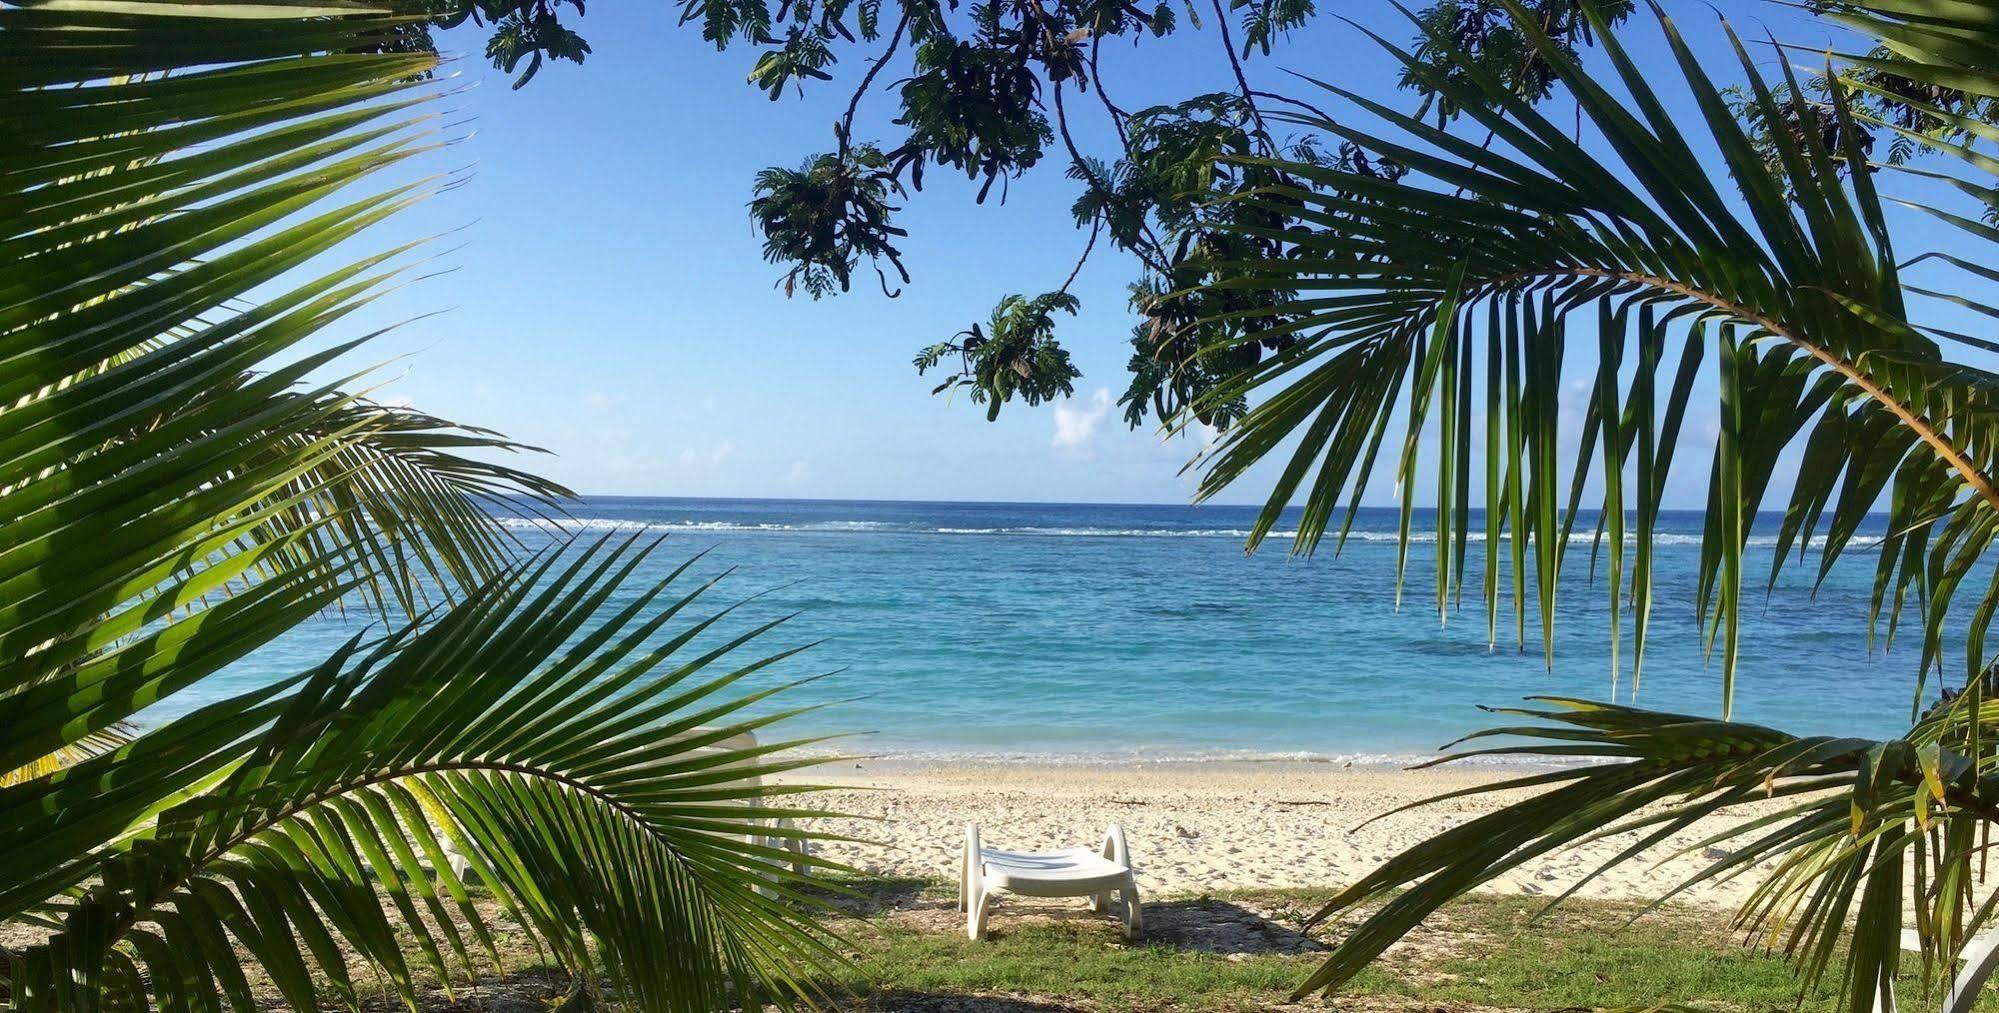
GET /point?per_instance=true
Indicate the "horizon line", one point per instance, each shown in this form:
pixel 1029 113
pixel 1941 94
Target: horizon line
pixel 584 496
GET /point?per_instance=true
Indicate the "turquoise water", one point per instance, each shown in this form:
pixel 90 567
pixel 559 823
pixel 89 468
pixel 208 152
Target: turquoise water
pixel 1145 632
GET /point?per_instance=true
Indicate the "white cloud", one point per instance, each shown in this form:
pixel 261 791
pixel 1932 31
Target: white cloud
pixel 599 401
pixel 714 455
pixel 800 471
pixel 1197 433
pixel 1076 424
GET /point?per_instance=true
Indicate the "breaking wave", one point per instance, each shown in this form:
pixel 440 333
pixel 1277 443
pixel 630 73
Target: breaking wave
pixel 584 524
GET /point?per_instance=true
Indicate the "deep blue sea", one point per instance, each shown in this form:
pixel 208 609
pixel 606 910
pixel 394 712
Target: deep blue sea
pixel 1122 632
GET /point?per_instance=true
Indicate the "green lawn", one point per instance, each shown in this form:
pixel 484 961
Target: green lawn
pixel 1241 951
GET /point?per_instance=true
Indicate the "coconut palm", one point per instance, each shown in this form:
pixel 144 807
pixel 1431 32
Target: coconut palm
pixel 189 466
pixel 1667 242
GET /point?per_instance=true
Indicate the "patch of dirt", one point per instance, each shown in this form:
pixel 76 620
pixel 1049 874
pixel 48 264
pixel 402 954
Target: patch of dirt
pixel 531 990
pixel 1198 926
pixel 999 1002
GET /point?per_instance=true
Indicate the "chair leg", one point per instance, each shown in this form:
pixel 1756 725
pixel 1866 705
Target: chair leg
pixel 975 916
pixel 1887 1005
pixel 1134 916
pixel 796 846
pixel 1980 958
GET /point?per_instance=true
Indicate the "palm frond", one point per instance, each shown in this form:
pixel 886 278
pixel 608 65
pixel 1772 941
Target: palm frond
pixel 170 499
pixel 1933 67
pixel 1839 818
pixel 588 762
pixel 1786 280
pixel 1788 285
pixel 186 471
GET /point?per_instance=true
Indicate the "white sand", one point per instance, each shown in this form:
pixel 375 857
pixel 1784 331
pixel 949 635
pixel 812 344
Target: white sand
pixel 1197 827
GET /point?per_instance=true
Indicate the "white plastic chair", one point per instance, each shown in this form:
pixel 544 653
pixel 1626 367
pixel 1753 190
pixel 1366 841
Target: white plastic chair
pixel 1071 872
pixel 1980 957
pixel 781 842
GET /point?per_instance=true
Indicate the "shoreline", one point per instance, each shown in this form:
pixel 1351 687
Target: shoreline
pixel 924 762
pixel 1197 827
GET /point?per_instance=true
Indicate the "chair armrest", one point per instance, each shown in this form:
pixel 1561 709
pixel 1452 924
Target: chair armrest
pixel 970 871
pixel 1981 957
pixel 1114 847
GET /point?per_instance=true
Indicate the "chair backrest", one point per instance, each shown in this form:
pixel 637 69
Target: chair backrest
pixel 1980 957
pixel 734 743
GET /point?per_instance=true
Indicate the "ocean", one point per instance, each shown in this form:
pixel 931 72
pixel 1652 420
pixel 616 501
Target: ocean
pixel 1145 633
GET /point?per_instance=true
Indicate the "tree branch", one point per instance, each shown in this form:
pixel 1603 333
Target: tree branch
pixel 1242 80
pixel 1156 259
pixel 847 121
pixel 1096 224
pixel 1118 116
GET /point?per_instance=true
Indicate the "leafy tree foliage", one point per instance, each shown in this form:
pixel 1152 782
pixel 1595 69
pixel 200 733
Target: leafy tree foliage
pixel 824 216
pixel 985 89
pixel 1015 353
pixel 1467 38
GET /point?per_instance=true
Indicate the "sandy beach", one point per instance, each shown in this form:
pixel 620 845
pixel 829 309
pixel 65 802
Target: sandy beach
pixel 1197 827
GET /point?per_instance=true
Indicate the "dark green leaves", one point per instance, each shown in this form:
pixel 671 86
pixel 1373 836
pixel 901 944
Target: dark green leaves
pixel 1013 354
pixel 589 766
pixel 532 31
pixel 827 215
pixel 972 104
pixel 1509 248
pixel 1834 816
pixel 1485 33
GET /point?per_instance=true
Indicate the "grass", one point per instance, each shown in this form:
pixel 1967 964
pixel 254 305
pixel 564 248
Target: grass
pixel 1240 951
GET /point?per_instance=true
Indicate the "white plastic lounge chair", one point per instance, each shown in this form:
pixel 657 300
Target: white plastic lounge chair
pixel 1980 957
pixel 778 841
pixel 1071 872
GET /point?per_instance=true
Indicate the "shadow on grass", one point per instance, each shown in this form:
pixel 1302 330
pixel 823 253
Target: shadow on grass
pixel 525 989
pixel 867 897
pixel 1205 925
pixel 1189 925
pixel 947 1002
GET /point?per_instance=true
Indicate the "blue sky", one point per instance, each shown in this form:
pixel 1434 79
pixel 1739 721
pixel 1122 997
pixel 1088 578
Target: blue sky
pixel 609 301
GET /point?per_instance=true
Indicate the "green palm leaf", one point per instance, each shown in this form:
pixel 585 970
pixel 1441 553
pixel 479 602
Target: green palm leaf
pixel 1838 817
pixel 1789 282
pixel 1785 277
pixel 1934 61
pixel 589 764
pixel 170 161
pixel 187 470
